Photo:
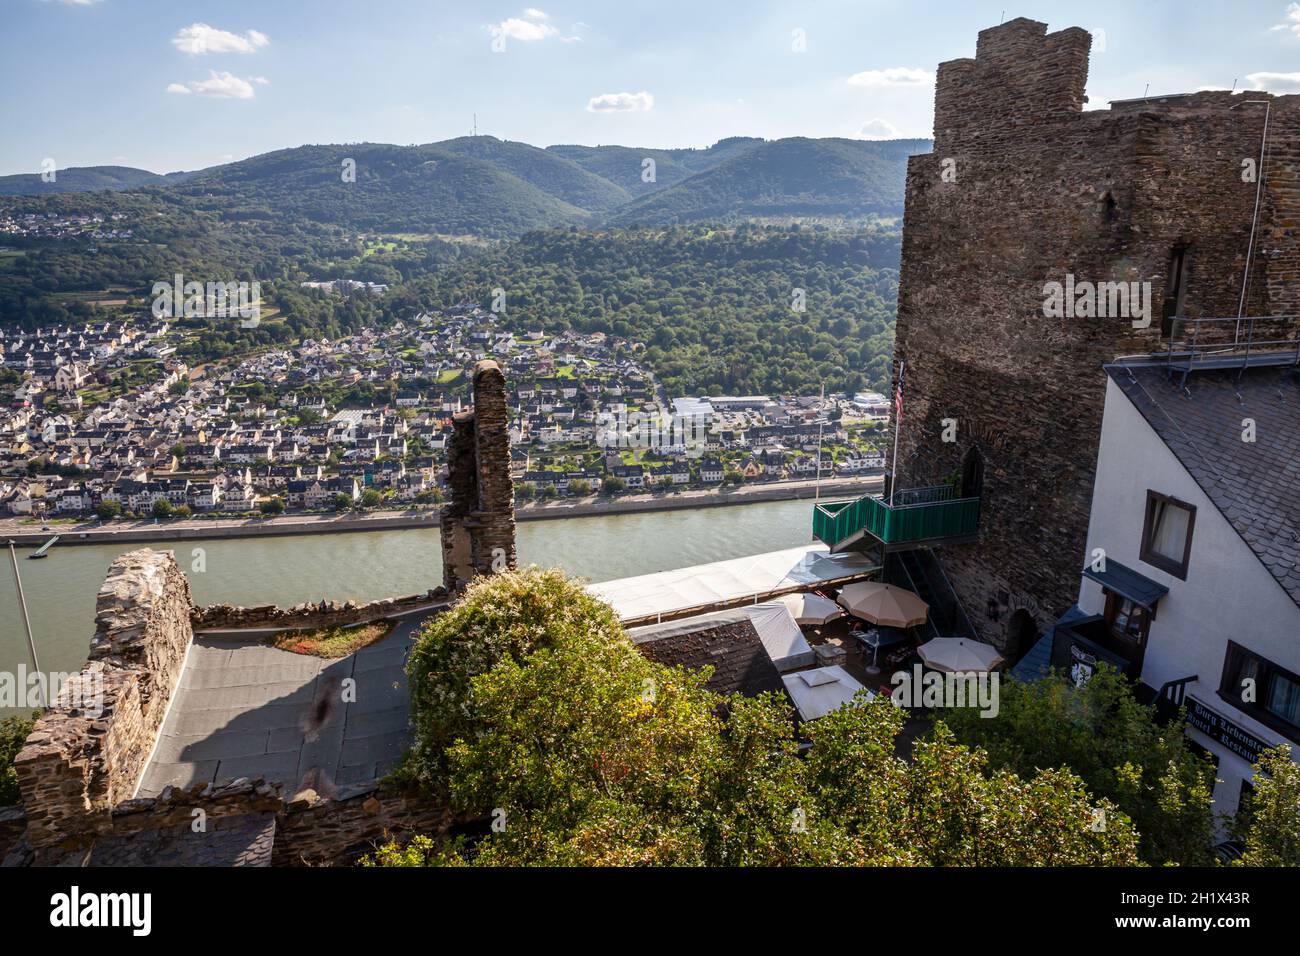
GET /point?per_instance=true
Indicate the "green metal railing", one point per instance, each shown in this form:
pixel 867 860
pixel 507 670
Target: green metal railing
pixel 917 514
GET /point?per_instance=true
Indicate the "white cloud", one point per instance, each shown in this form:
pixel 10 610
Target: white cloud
pixel 1292 21
pixel 1276 82
pixel 530 27
pixel 621 103
pixel 878 129
pixel 894 76
pixel 222 86
pixel 198 39
pixel 77 3
pixel 526 31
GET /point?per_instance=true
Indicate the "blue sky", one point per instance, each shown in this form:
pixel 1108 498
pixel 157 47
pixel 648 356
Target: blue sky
pixel 182 84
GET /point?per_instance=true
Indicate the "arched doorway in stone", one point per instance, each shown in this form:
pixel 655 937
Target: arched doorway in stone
pixel 1022 632
pixel 972 473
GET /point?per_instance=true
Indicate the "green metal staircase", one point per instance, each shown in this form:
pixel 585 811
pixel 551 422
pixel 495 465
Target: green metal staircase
pixel 917 517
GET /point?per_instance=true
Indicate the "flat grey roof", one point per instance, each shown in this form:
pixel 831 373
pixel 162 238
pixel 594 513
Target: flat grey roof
pixel 246 709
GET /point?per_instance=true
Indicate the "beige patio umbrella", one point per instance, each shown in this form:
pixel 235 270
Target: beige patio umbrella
pixel 884 604
pixel 811 608
pixel 958 654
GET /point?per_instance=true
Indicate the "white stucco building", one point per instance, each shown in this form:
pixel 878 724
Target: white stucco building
pixel 1191 581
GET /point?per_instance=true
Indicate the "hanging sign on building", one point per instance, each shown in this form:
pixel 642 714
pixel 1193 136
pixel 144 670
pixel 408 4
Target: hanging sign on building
pixel 1220 729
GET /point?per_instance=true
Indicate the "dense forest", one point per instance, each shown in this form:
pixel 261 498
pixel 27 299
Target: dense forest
pixel 714 307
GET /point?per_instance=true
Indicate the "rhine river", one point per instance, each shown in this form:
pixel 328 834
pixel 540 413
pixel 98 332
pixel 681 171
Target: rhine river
pixel 365 566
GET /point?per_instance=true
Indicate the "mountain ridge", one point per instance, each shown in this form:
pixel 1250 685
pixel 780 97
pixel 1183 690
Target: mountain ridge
pixel 494 188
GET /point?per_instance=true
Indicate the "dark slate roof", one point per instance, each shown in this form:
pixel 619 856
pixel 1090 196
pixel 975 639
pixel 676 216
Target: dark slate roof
pixel 1255 485
pixel 1037 663
pixel 727 642
pixel 1123 580
pixel 243 840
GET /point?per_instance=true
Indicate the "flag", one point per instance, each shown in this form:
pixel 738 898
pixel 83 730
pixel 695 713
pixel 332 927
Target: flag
pixel 898 394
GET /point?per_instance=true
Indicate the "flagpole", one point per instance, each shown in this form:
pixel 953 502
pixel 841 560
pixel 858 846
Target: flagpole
pixel 817 488
pixel 27 623
pixel 898 421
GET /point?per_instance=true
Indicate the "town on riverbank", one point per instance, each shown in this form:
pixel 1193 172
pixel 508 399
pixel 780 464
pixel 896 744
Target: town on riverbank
pixel 109 421
pixel 29 532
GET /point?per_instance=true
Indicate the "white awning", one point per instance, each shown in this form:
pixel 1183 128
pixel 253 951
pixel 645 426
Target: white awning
pixel 780 635
pixel 757 577
pixel 822 690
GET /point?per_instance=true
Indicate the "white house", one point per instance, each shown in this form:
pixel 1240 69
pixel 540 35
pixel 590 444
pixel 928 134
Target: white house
pixel 1191 579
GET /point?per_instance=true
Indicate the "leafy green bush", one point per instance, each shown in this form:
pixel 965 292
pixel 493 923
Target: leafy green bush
pixel 532 706
pixel 1113 742
pixel 13 732
pixel 1269 825
pixel 505 616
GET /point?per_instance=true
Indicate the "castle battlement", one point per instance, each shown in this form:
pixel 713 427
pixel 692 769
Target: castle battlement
pixel 1020 75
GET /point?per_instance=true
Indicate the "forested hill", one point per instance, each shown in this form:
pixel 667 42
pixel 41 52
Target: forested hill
pixel 714 307
pixel 490 188
pixel 383 188
pixel 81 179
pixel 840 178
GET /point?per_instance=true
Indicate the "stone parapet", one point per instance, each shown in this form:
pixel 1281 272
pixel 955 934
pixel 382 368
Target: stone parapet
pixel 309 615
pixel 87 751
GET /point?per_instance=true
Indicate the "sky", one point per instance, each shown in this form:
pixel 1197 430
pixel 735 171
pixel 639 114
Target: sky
pixel 184 84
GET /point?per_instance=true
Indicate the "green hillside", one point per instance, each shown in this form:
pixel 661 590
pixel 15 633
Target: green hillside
pixel 786 178
pixel 78 179
pixel 550 172
pixel 713 306
pixel 396 189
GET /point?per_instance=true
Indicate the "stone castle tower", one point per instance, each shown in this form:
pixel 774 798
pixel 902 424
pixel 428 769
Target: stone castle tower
pixel 1023 188
pixel 478 520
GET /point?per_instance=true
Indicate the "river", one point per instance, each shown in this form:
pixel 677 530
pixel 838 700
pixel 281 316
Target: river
pixel 365 566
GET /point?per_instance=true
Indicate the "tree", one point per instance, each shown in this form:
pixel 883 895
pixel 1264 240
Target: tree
pixel 507 615
pixel 1115 745
pixel 13 734
pixel 370 498
pixel 108 510
pixel 612 484
pixel 1269 824
pixel 342 501
pixel 580 487
pixel 272 506
pixel 530 703
pixel 162 508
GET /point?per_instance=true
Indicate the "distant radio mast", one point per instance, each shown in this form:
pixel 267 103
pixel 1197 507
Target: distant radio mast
pixel 475 133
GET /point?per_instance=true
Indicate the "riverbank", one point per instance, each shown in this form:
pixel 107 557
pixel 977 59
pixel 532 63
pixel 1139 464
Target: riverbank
pixel 26 533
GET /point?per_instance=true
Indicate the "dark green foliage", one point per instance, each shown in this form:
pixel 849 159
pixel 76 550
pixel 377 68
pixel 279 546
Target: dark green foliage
pixel 713 306
pixel 506 616
pixel 78 179
pixel 1114 743
pixel 13 732
pixel 789 177
pixel 1268 822
pixel 548 171
pixel 532 706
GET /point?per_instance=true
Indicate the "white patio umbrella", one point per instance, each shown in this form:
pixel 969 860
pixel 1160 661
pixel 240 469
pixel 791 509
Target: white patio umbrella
pixel 811 608
pixel 884 604
pixel 959 655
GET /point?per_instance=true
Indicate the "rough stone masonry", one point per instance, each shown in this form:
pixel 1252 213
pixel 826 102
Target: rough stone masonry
pixel 77 765
pixel 478 520
pixel 1023 188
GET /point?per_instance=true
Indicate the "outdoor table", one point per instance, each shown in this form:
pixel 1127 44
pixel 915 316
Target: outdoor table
pixel 879 637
